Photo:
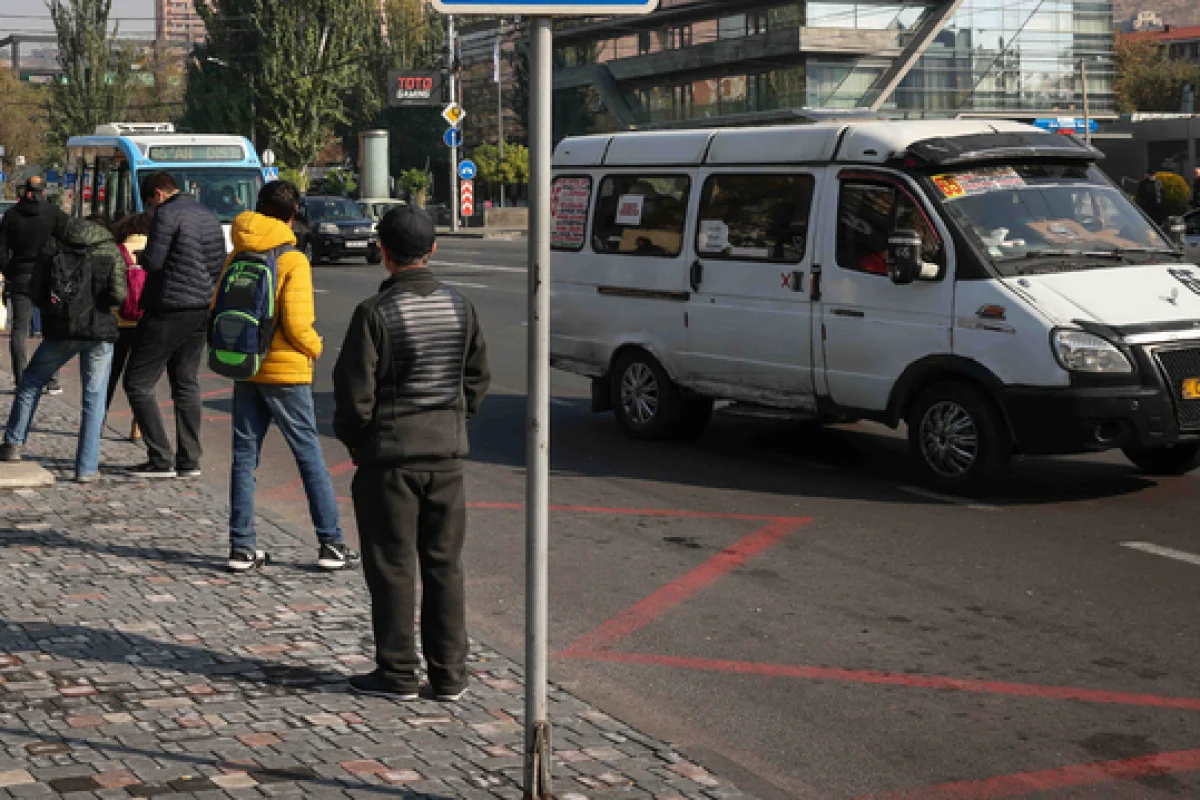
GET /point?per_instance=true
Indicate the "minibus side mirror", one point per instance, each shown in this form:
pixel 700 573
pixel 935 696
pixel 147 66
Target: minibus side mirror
pixel 904 257
pixel 1176 230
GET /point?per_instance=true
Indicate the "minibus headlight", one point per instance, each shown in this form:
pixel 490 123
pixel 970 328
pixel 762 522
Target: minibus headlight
pixel 327 227
pixel 1079 351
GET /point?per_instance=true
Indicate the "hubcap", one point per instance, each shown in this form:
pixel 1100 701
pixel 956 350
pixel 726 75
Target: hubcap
pixel 949 440
pixel 639 393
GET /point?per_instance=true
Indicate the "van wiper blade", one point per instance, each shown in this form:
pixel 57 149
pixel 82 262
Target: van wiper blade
pixel 1121 252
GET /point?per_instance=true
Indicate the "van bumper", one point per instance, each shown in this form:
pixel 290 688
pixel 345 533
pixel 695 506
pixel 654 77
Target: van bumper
pixel 1064 421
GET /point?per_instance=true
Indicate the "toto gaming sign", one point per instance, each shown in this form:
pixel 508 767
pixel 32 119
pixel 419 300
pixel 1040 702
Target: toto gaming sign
pixel 415 89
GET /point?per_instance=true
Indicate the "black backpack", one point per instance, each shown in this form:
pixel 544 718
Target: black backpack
pixel 70 300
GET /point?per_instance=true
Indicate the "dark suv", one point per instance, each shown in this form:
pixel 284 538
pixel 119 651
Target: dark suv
pixel 333 228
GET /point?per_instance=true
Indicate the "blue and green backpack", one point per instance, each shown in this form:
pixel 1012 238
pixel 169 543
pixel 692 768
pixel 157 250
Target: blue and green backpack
pixel 242 323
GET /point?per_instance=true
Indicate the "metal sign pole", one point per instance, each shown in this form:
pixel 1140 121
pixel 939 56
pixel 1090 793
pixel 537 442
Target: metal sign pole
pixel 452 80
pixel 537 447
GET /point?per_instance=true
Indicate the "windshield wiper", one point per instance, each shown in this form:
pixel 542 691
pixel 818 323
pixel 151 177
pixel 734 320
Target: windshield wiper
pixel 1118 252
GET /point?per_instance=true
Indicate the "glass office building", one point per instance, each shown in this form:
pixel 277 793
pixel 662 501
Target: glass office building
pixel 698 61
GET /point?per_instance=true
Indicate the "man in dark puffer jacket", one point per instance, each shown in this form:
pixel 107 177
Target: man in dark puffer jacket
pixel 183 260
pixel 77 319
pixel 23 231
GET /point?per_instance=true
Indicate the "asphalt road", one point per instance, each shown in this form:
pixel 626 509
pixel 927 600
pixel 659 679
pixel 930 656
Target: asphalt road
pixel 785 605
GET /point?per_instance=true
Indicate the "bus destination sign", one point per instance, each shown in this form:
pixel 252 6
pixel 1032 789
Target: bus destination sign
pixel 182 153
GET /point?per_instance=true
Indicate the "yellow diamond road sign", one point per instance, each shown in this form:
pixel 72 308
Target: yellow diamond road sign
pixel 453 114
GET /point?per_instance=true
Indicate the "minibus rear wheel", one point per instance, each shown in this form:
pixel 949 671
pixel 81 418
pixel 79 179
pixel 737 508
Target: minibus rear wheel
pixel 645 399
pixel 1175 459
pixel 958 437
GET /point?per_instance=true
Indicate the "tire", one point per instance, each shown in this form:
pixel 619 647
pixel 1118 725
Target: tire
pixel 647 403
pixel 957 437
pixel 1175 459
pixel 695 414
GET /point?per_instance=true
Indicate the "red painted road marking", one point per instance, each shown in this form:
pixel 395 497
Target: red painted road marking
pixel 643 512
pixel 639 616
pixel 297 485
pixel 893 679
pixel 1048 780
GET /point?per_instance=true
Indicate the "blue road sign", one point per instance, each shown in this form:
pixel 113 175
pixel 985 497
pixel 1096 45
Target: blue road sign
pixel 1068 124
pixel 467 170
pixel 453 137
pixel 3 177
pixel 270 174
pixel 68 180
pixel 558 8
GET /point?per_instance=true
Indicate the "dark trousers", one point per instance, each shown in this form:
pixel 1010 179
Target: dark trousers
pixel 405 519
pixel 121 350
pixel 19 327
pixel 172 341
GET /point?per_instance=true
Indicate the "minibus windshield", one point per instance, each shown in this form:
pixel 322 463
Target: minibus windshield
pixel 1028 213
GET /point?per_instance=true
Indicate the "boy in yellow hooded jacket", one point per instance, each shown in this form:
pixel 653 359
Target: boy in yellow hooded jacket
pixel 281 392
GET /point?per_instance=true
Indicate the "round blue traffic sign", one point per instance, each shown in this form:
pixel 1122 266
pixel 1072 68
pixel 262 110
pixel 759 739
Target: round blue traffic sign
pixel 467 170
pixel 453 137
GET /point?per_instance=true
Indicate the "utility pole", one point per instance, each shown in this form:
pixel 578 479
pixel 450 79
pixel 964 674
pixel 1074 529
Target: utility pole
pixel 452 82
pixel 1087 115
pixel 500 105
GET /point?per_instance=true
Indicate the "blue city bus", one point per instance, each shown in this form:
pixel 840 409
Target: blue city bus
pixel 222 172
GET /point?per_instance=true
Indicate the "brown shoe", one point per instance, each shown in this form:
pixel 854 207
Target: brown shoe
pixel 135 433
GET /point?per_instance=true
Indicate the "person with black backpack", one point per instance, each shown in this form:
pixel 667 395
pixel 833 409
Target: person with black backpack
pixel 261 334
pixel 79 282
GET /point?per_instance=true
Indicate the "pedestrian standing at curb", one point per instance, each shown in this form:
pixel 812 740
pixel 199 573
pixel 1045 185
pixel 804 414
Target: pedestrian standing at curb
pixel 281 389
pixel 412 370
pixel 183 258
pixel 130 233
pixel 77 286
pixel 24 230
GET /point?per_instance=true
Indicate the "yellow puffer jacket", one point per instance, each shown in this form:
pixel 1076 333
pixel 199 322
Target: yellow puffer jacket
pixel 296 345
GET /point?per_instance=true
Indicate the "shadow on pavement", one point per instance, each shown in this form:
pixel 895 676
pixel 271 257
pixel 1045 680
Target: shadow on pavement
pixel 799 460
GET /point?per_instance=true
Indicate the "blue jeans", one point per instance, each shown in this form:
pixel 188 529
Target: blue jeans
pixel 95 359
pixel 255 406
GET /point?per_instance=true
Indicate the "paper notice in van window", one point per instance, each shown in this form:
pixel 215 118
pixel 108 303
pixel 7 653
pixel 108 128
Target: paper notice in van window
pixel 569 207
pixel 978 181
pixel 629 209
pixel 714 236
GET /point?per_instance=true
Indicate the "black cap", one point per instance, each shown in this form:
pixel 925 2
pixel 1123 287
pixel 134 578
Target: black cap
pixel 407 232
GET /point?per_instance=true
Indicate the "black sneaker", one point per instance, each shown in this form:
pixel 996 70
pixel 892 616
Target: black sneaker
pixel 244 559
pixel 337 556
pixel 10 452
pixel 150 471
pixel 375 685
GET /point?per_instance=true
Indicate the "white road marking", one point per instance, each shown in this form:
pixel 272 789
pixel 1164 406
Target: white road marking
pixel 964 502
pixel 467 285
pixel 482 267
pixel 320 291
pixel 1165 552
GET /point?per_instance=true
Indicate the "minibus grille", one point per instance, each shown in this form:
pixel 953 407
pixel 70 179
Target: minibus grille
pixel 1181 368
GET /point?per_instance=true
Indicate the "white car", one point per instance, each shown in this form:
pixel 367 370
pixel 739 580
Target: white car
pixel 375 208
pixel 1191 240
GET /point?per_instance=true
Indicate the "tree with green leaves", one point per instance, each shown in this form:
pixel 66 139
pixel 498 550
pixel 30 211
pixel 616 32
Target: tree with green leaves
pixel 304 63
pixel 96 75
pixel 1145 79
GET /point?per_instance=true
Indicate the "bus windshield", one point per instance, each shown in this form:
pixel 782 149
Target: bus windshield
pixel 226 191
pixel 1021 213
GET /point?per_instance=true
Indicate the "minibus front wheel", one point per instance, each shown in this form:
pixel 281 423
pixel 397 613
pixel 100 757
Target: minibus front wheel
pixel 958 437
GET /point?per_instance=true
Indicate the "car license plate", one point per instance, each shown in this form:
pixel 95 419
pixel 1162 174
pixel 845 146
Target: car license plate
pixel 356 244
pixel 1191 389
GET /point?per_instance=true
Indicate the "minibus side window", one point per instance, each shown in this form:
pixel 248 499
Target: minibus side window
pixel 570 201
pixel 755 217
pixel 868 212
pixel 641 216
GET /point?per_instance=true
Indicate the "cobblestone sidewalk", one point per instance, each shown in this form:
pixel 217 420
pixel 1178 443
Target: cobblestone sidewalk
pixel 132 665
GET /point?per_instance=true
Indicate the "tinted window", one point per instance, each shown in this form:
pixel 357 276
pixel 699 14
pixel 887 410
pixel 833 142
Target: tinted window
pixel 641 216
pixel 332 209
pixel 868 212
pixel 755 217
pixel 225 192
pixel 1193 224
